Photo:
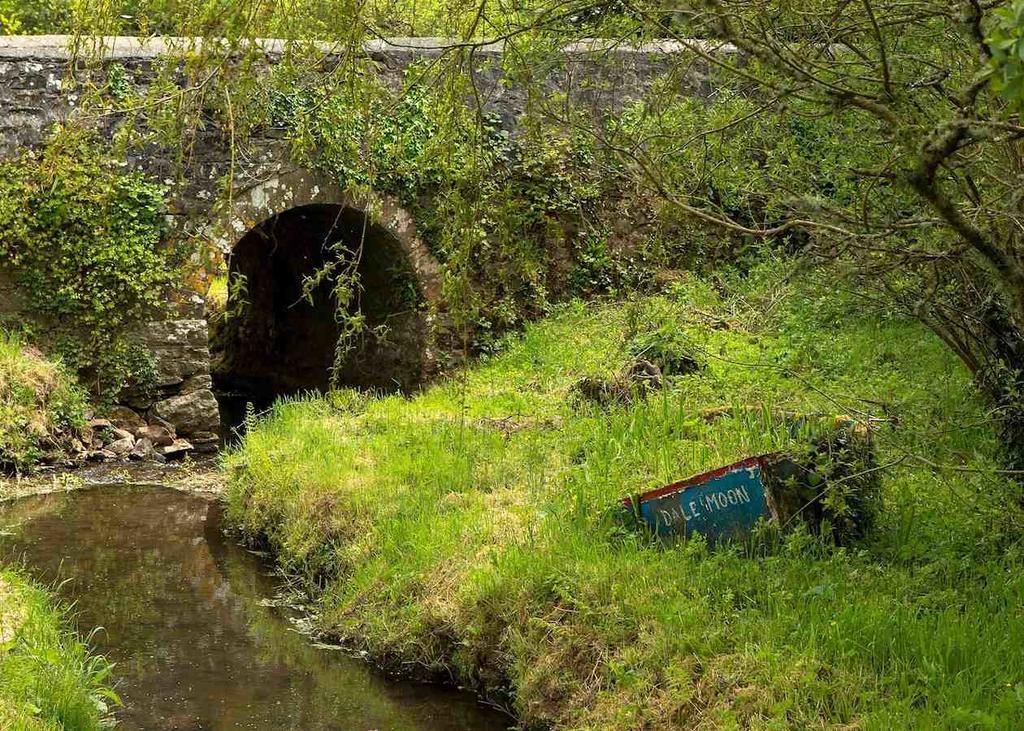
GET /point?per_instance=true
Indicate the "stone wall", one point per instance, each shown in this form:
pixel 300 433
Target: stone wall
pixel 182 394
pixel 36 92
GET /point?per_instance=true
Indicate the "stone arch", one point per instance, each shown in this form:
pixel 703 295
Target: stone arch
pixel 294 187
pixel 274 342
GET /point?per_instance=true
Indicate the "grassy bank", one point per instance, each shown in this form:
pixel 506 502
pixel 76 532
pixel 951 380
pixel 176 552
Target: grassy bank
pixel 48 679
pixel 41 405
pixel 466 530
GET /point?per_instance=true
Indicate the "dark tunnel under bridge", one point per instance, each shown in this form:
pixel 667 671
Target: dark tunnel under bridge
pixel 275 341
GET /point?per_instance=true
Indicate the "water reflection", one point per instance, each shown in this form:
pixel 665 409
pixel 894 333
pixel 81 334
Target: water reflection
pixel 184 619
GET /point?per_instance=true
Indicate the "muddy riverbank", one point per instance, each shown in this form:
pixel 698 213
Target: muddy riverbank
pixel 199 477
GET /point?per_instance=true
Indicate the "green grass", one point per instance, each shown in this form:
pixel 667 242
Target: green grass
pixel 467 530
pixel 48 678
pixel 41 404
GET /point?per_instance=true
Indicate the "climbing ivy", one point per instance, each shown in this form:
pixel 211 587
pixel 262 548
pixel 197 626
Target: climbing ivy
pixel 82 236
pixel 506 217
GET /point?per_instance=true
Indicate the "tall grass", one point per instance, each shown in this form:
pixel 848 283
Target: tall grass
pixel 41 404
pixel 467 530
pixel 48 678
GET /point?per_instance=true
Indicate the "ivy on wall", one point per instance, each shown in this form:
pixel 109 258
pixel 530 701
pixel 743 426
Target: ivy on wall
pixel 84 240
pixel 506 217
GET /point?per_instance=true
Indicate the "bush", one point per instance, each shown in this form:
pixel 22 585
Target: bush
pixel 84 238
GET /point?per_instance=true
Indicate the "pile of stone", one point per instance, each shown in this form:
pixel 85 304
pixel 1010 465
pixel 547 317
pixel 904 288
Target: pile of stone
pixel 126 435
pixel 639 379
pixel 180 391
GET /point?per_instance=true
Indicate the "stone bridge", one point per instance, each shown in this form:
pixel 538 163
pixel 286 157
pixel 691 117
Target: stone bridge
pixel 280 218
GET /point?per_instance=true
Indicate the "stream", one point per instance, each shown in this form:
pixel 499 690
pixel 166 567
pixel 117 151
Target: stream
pixel 186 615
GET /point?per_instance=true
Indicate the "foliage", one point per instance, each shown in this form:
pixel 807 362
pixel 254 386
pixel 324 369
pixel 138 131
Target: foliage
pixel 48 677
pixel 84 238
pixel 495 211
pixel 466 530
pixel 217 296
pixel 1006 44
pixel 862 142
pixel 301 19
pixel 33 16
pixel 881 141
pixel 41 405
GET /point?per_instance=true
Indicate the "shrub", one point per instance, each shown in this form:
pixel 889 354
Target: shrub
pixel 83 238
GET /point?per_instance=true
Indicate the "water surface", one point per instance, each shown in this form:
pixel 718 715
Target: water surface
pixel 186 618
